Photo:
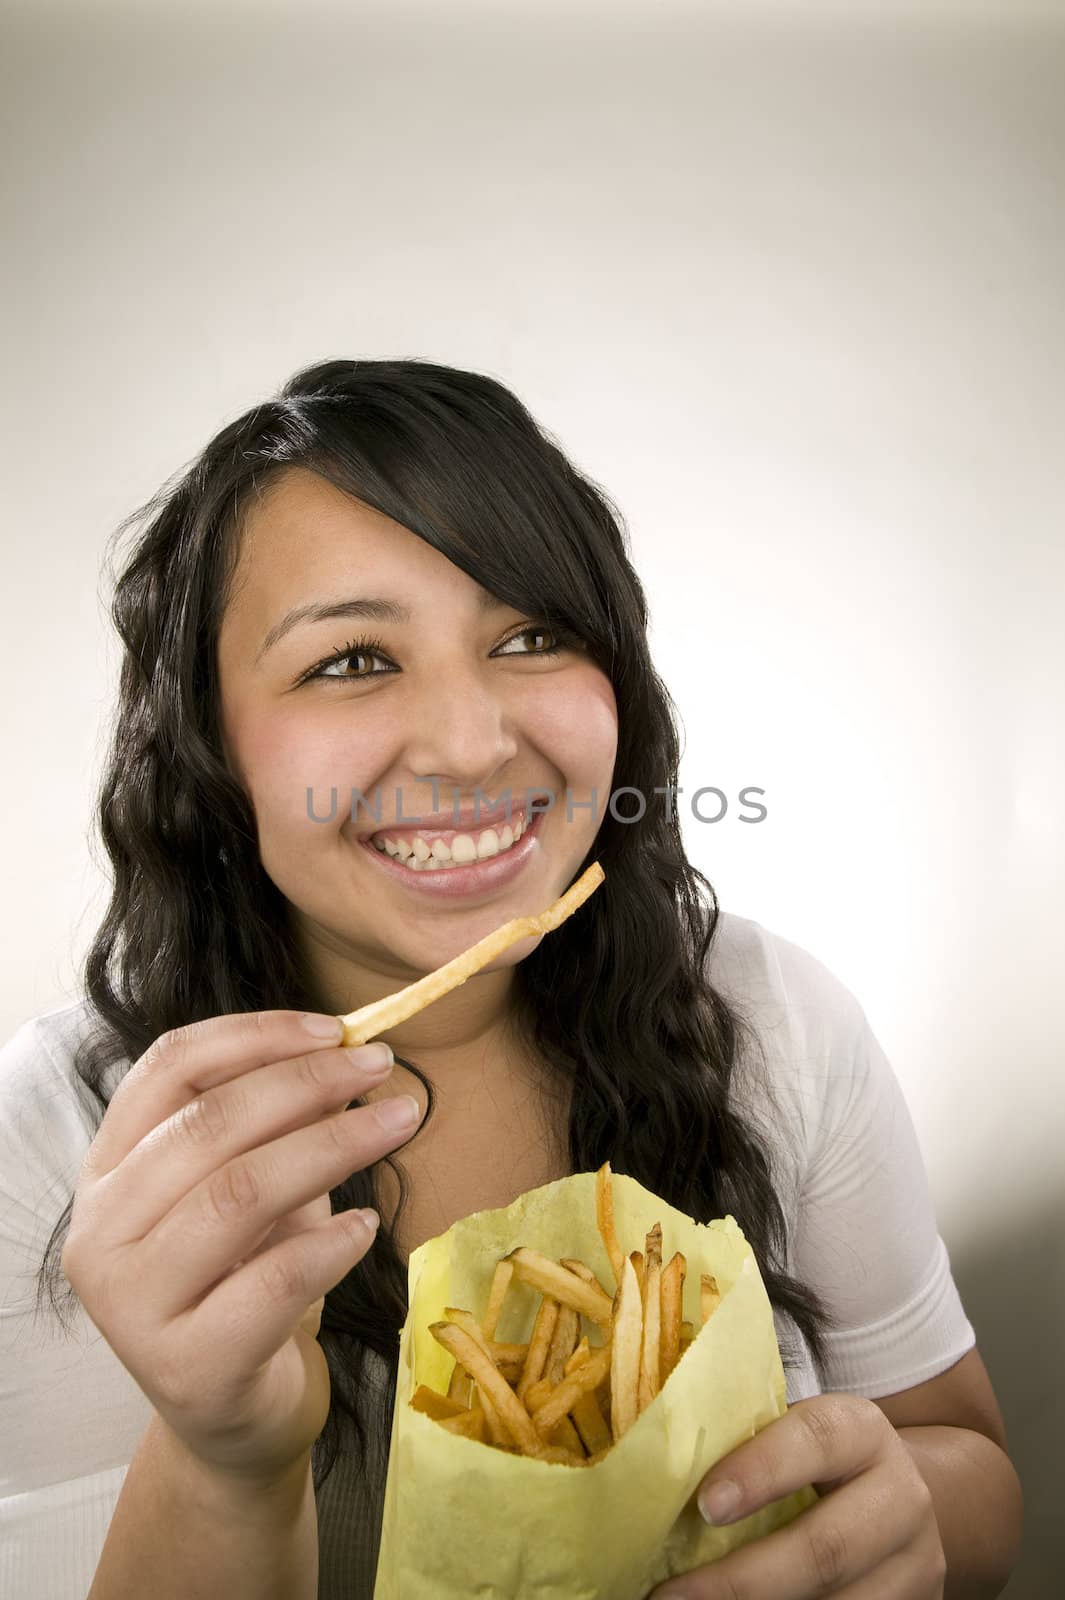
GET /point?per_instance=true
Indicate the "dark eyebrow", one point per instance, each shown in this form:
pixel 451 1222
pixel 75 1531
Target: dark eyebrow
pixel 369 610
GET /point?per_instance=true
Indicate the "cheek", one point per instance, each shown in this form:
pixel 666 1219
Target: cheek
pixel 580 729
pixel 283 755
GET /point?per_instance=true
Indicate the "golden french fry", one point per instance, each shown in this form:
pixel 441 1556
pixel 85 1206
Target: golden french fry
pixel 369 1022
pixel 505 1352
pixel 604 1216
pixel 563 1433
pixel 579 1356
pixel 650 1354
pixel 493 1427
pixel 494 1387
pixel 586 1414
pixel 460 1388
pixel 437 1406
pixel 672 1294
pixel 567 1327
pixel 565 1395
pixel 539 1344
pixel 709 1297
pixel 584 1271
pixel 496 1295
pixel 625 1358
pixel 551 1278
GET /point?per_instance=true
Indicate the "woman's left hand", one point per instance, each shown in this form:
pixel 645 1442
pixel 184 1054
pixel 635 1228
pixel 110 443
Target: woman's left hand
pixel 873 1535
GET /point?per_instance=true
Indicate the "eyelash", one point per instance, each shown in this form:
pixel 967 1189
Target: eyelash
pixel 374 647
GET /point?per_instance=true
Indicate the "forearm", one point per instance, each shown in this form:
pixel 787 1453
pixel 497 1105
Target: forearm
pixel 181 1532
pixel 978 1505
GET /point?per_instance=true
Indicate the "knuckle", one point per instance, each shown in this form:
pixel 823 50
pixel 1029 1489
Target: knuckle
pixel 337 1131
pixel 283 1280
pixel 317 1071
pixel 202 1121
pixel 824 1423
pixel 828 1554
pixel 233 1192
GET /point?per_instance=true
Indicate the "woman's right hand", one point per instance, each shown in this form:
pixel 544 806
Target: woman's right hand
pixel 202 1235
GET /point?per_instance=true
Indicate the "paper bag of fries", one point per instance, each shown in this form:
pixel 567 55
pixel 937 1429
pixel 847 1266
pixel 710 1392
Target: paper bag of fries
pixel 561 1396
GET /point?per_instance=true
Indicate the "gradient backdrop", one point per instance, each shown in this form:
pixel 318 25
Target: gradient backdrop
pixel 787 281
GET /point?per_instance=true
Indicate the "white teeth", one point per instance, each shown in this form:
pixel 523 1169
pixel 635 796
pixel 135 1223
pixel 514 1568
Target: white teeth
pixel 417 855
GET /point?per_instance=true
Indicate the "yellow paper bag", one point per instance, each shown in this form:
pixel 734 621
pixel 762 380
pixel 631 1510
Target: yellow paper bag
pixel 463 1519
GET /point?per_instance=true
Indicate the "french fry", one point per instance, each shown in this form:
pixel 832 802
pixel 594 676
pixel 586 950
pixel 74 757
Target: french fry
pixel 371 1021
pixel 604 1215
pixel 551 1278
pixel 650 1355
pixel 556 1397
pixel 539 1344
pixel 625 1353
pixel 672 1294
pixel 565 1395
pixel 496 1295
pixel 512 1414
pixel 563 1340
pixel 587 1416
pixel 584 1271
pixel 493 1427
pixel 437 1406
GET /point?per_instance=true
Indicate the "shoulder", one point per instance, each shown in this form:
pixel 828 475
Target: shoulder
pixel 780 984
pixel 805 1052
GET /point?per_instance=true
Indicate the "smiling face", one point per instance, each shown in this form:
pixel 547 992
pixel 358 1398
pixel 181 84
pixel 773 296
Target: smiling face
pixel 457 685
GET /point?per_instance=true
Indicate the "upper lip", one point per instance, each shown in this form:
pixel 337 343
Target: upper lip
pixel 465 818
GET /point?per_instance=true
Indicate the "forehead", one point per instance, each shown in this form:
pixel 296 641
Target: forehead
pixel 299 520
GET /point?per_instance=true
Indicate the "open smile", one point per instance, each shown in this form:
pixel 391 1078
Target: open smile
pixel 449 861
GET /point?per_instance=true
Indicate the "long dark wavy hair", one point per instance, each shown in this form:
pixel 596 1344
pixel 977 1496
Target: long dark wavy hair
pixel 617 1003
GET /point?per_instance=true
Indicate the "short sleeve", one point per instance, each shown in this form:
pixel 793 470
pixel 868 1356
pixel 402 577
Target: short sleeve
pixel 865 1236
pixel 70 1414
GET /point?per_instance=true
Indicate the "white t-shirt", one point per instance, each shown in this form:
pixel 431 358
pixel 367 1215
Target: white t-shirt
pixel 845 1162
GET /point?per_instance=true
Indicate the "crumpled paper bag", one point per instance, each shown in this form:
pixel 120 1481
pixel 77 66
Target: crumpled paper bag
pixel 463 1519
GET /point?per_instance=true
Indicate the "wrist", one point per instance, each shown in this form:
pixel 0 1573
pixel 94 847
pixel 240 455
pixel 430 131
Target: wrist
pixel 240 1492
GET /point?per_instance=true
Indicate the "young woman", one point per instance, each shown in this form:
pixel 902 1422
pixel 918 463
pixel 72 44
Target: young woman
pixel 371 606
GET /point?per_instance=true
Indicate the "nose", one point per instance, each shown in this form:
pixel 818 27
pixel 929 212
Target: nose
pixel 463 735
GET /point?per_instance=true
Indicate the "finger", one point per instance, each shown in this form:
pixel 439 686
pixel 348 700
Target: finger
pixel 228 1214
pixel 187 1061
pixel 258 1308
pixel 224 1122
pixel 822 1441
pixel 833 1544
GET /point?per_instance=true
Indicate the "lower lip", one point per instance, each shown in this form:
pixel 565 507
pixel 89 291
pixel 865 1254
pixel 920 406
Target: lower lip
pixel 450 883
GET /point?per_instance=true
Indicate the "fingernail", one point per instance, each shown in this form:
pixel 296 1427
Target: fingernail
pixel 720 1502
pixel 375 1058
pixel 395 1115
pixel 323 1027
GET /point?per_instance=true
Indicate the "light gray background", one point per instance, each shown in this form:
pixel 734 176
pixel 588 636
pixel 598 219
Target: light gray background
pixel 787 281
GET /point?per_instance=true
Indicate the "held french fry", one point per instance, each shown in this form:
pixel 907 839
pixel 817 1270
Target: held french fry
pixel 672 1285
pixel 369 1022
